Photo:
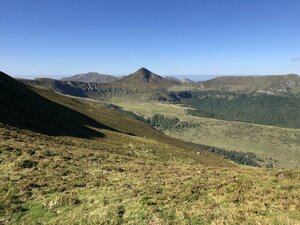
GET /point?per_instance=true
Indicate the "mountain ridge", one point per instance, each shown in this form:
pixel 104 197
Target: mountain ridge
pixel 273 83
pixel 91 77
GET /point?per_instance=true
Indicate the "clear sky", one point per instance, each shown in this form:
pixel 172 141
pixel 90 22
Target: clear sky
pixel 175 37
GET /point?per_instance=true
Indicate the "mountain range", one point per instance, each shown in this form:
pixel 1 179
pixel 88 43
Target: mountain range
pixel 63 155
pixel 144 81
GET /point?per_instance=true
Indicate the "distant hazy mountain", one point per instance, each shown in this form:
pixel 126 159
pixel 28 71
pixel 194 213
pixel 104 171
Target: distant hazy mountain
pixel 187 81
pixel 92 77
pixel 173 78
pixel 183 80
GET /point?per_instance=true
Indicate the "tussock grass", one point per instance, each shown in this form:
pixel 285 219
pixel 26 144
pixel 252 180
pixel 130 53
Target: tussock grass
pixel 122 179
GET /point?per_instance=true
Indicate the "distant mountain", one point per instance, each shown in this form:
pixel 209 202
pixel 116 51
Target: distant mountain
pixel 144 79
pixel 143 83
pixel 268 84
pixel 187 81
pixel 184 80
pixel 92 77
pixel 173 78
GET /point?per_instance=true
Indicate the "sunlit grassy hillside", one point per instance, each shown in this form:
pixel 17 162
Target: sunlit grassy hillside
pixel 123 179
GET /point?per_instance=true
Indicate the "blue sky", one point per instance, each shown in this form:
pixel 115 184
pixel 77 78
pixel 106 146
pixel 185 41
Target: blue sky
pixel 174 37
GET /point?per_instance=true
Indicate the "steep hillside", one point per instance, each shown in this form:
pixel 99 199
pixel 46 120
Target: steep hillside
pixel 50 113
pixel 118 122
pixel 23 108
pixel 271 84
pixel 91 77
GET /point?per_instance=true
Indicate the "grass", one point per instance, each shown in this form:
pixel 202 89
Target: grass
pixel 123 179
pixel 274 144
pixel 131 174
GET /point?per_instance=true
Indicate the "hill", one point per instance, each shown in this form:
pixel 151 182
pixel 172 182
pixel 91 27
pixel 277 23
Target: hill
pixel 91 77
pixel 23 108
pixel 267 100
pixel 183 80
pixel 142 84
pixel 50 113
pixel 270 84
pixel 132 174
pixel 74 88
pixel 143 79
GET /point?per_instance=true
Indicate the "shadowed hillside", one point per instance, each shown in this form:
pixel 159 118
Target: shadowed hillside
pixel 23 108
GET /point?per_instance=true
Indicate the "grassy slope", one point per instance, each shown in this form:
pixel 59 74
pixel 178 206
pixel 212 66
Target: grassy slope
pixel 121 178
pixel 133 180
pixel 127 125
pixel 281 144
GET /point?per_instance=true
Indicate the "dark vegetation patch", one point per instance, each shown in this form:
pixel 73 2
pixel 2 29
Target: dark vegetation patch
pixel 167 123
pixel 251 107
pixel 27 164
pixel 244 158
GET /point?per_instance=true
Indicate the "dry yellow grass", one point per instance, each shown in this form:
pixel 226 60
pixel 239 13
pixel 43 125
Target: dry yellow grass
pixel 122 179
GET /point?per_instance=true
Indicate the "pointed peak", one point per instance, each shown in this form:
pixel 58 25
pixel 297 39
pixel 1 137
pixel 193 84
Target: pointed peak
pixel 143 70
pixel 145 73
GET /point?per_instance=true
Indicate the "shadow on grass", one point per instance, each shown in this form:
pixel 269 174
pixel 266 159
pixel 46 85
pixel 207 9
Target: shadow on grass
pixel 23 108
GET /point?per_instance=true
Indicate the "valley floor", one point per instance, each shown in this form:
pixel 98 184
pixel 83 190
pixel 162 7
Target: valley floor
pixel 276 145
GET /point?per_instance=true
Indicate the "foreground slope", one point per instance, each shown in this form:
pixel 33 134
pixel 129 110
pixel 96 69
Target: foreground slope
pixel 124 179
